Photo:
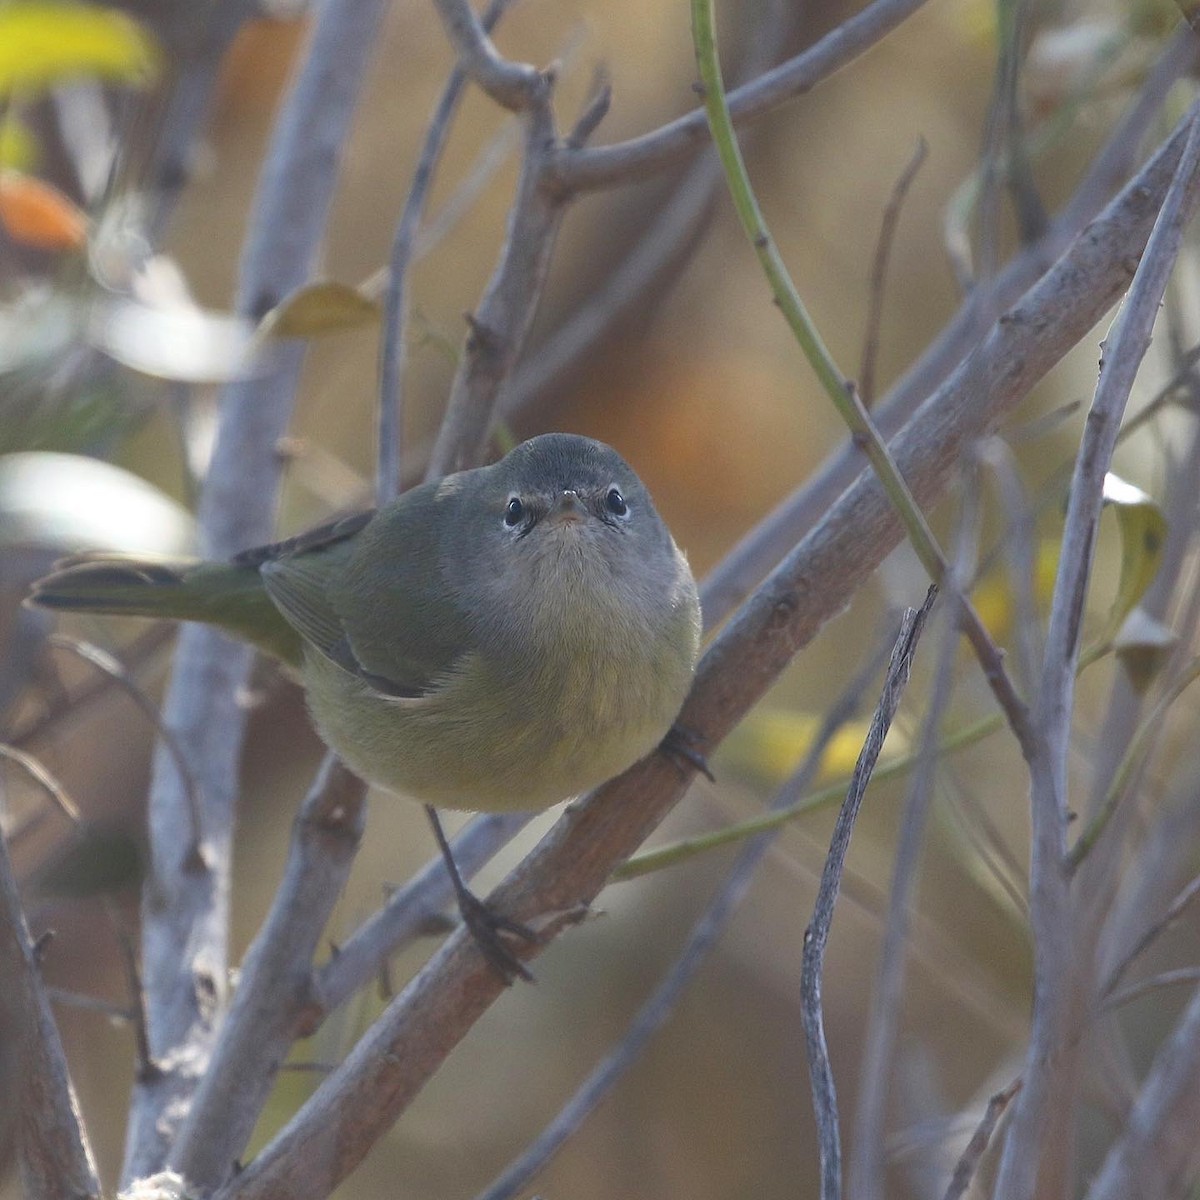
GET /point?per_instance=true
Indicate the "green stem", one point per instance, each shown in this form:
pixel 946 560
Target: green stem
pixel 677 852
pixel 839 389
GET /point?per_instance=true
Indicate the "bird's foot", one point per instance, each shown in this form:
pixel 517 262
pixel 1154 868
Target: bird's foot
pixel 682 746
pixel 487 928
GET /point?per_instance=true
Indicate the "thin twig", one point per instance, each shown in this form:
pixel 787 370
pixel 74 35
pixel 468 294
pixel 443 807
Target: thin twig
pixel 1172 914
pixel 55 1158
pixel 505 312
pixel 144 1066
pixel 816 936
pixel 879 266
pixel 1037 1153
pixel 516 86
pixel 1171 1091
pixel 111 666
pixel 968 1163
pixel 45 780
pixel 640 157
pixel 659 1006
pixel 395 308
pixel 867 1165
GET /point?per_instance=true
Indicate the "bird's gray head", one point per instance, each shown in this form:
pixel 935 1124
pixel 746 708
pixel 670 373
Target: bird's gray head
pixel 564 522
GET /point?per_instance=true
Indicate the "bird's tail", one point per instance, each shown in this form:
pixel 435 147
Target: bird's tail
pixel 228 595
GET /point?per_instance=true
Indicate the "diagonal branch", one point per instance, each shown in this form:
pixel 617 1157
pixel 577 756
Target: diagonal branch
pixel 334 1130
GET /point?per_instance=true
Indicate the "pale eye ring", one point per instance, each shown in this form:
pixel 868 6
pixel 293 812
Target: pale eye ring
pixel 514 512
pixel 615 503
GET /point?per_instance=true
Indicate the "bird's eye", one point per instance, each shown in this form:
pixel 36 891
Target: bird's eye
pixel 615 503
pixel 513 513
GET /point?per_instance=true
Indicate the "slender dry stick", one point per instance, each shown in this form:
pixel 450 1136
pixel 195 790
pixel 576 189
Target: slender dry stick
pixel 185 907
pixel 703 937
pixel 1173 912
pixel 505 312
pixel 816 936
pixel 847 402
pixel 45 780
pixel 111 666
pixel 1171 1091
pixel 660 254
pixel 333 1131
pixel 1145 987
pixel 968 1163
pixel 640 157
pixel 672 854
pixel 1139 747
pixel 772 538
pixel 1037 1154
pixel 395 309
pixel 879 266
pixel 56 1162
pixel 867 1162
pixel 257 1033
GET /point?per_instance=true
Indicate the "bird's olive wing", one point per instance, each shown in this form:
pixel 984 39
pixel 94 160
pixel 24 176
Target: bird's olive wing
pixel 369 594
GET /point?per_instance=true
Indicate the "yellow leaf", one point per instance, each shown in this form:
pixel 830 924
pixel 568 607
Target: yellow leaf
pixel 321 308
pixel 43 43
pixel 994 599
pixel 1143 530
pixel 37 214
pixel 18 147
pixel 771 743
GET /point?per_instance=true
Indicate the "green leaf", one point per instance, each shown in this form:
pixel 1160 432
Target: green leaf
pixel 1143 530
pixel 42 44
pixel 321 308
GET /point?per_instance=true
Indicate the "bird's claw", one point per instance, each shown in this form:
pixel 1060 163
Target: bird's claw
pixel 681 744
pixel 486 927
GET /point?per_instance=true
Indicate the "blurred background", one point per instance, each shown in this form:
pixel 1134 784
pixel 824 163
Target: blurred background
pixel 111 356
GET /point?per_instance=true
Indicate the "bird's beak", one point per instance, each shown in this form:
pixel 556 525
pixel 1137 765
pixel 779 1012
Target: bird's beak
pixel 568 509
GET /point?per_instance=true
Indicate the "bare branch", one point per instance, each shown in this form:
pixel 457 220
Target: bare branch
pixel 56 1162
pixel 185 909
pixel 879 264
pixel 638 158
pixel 109 665
pixel 816 936
pixel 505 312
pixel 515 86
pixel 257 1034
pixel 1171 1093
pixel 968 1164
pixel 395 319
pixel 1038 1150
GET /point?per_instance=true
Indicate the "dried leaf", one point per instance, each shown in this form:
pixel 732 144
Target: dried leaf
pixel 321 308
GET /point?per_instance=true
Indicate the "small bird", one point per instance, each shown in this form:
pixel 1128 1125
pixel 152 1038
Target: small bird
pixel 501 639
